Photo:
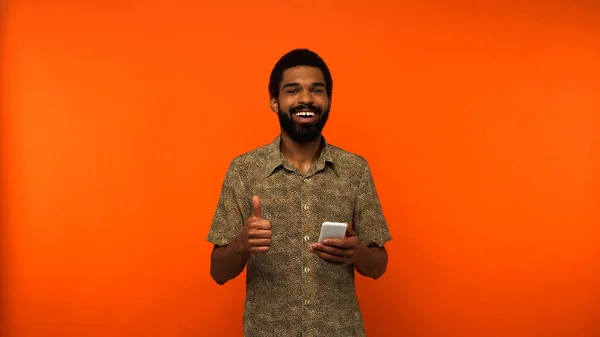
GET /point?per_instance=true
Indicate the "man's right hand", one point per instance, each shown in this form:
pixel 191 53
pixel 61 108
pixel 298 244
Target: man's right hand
pixel 256 236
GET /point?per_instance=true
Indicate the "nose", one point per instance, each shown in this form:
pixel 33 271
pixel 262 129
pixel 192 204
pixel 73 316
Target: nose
pixel 305 97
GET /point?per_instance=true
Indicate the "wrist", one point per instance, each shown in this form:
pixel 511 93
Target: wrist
pixel 361 252
pixel 239 246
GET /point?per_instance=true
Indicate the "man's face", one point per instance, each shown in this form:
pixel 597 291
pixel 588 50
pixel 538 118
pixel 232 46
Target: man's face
pixel 303 105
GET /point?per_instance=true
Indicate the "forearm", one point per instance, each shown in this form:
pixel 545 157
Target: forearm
pixel 228 262
pixel 371 261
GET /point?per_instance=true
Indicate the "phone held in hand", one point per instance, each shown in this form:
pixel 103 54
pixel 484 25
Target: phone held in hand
pixel 332 230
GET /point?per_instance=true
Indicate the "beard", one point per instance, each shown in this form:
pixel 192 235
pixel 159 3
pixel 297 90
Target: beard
pixel 303 132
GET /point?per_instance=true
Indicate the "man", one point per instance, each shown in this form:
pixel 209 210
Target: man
pixel 272 203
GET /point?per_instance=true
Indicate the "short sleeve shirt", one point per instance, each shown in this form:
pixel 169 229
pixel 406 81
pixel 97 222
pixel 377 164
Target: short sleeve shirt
pixel 290 291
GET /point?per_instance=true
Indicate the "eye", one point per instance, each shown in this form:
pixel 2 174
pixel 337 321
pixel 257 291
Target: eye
pixel 291 91
pixel 317 90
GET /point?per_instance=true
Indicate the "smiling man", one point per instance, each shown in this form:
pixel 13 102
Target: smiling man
pixel 271 207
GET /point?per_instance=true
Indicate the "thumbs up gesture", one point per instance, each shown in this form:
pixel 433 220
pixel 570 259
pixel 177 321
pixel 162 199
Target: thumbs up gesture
pixel 256 236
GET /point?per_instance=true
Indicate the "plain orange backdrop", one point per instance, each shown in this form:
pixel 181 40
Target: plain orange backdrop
pixel 481 123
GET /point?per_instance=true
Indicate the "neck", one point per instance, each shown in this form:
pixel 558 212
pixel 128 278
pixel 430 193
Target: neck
pixel 301 155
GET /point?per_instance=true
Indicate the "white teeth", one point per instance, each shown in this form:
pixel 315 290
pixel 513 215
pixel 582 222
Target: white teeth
pixel 305 114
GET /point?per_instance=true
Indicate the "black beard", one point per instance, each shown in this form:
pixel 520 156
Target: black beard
pixel 303 133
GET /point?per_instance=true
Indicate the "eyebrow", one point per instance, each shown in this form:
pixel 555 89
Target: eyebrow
pixel 294 84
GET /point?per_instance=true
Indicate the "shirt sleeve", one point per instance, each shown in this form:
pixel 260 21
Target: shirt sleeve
pixel 228 220
pixel 370 224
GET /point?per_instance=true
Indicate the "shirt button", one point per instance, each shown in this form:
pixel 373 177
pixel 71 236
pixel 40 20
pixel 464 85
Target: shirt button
pixel 306 207
pixel 306 269
pixel 306 302
pixel 306 238
pixel 306 180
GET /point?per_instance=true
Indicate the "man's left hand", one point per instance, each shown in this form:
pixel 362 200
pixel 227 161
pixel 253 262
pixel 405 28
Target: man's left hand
pixel 339 251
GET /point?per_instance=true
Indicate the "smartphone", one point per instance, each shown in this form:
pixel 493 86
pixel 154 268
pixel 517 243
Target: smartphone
pixel 332 230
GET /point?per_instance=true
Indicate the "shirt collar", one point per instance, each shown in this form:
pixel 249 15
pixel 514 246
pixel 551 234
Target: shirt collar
pixel 276 159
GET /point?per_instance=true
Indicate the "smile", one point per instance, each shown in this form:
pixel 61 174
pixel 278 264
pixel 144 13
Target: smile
pixel 305 114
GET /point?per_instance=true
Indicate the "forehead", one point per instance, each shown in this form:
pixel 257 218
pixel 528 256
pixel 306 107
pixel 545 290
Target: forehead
pixel 302 75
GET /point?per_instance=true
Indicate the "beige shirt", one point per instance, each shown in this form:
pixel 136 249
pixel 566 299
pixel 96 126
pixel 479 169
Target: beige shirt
pixel 289 290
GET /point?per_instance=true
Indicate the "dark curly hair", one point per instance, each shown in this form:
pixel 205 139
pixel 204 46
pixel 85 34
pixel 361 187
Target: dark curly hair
pixel 298 57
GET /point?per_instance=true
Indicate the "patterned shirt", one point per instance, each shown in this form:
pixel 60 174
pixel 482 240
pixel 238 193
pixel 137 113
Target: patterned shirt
pixel 290 291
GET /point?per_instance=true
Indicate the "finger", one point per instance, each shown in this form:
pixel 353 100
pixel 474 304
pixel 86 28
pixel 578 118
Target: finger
pixel 259 242
pixel 330 258
pixel 332 250
pixel 256 209
pixel 260 234
pixel 339 243
pixel 259 250
pixel 261 224
pixel 350 230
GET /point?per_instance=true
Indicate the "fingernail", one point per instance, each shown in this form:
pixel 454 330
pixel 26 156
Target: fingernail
pixel 325 241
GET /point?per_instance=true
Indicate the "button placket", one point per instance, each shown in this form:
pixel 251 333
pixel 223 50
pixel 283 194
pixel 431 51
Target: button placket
pixel 305 253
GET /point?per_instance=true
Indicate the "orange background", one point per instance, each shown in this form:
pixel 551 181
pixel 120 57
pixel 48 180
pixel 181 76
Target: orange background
pixel 481 124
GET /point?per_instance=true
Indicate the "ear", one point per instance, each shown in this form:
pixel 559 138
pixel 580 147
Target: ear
pixel 274 105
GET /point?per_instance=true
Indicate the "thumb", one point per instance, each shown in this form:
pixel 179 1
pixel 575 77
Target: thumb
pixel 349 230
pixel 256 210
